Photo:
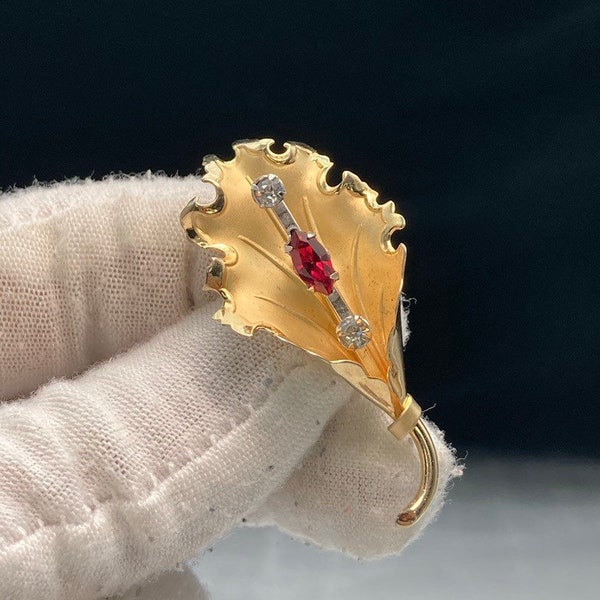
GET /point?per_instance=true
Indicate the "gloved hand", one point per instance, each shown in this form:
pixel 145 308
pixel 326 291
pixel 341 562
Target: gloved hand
pixel 135 430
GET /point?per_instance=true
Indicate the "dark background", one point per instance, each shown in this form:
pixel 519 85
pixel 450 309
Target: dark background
pixel 480 118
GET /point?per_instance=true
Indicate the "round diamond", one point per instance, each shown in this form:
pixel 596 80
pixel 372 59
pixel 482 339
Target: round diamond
pixel 268 190
pixel 354 332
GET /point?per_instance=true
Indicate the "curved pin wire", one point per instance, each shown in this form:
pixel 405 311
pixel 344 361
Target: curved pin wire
pixel 429 475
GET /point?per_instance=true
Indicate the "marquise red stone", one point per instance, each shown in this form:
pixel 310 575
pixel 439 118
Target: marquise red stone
pixel 311 261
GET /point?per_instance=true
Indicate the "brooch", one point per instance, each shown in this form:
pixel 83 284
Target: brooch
pixel 315 265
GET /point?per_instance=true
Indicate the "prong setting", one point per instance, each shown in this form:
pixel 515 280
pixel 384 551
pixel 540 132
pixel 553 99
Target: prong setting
pixel 268 190
pixel 354 332
pixel 311 261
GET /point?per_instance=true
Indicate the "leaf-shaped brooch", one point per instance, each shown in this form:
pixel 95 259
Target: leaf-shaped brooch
pixel 315 265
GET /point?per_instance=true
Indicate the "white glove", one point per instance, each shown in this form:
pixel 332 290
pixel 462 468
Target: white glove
pixel 152 430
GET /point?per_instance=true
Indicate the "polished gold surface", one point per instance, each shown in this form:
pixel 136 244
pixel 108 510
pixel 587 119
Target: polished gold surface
pixel 260 289
pixel 429 475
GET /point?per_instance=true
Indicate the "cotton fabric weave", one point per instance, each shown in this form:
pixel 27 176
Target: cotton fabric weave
pixel 135 430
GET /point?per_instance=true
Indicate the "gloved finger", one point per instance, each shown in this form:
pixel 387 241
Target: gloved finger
pixel 146 459
pixel 357 478
pixel 88 269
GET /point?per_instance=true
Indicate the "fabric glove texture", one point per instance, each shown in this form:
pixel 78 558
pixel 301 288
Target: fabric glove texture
pixel 135 430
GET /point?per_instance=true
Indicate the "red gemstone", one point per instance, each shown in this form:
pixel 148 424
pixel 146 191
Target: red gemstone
pixel 311 261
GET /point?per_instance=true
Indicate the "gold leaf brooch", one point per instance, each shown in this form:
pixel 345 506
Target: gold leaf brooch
pixel 315 265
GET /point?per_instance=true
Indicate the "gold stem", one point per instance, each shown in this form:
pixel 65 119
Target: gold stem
pixel 429 475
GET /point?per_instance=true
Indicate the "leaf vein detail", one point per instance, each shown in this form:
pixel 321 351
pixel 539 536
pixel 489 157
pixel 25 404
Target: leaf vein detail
pixel 374 348
pixel 309 217
pixel 355 275
pixel 273 260
pixel 321 330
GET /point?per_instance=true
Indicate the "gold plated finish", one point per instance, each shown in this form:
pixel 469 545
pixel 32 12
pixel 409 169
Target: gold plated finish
pixel 254 275
pixel 429 475
pixel 408 419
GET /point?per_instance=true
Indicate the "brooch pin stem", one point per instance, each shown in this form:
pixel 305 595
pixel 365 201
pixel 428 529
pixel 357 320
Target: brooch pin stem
pixel 315 265
pixel 429 475
pixel 411 423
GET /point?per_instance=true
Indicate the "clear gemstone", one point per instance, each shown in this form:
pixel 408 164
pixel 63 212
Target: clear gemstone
pixel 354 332
pixel 268 190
